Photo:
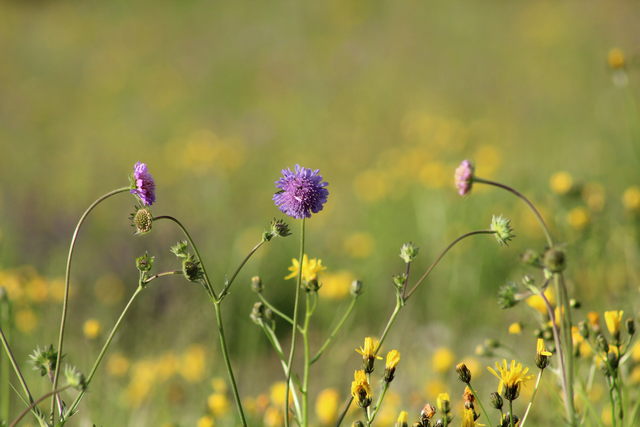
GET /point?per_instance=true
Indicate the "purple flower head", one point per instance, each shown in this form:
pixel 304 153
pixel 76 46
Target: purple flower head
pixel 142 184
pixel 464 177
pixel 301 192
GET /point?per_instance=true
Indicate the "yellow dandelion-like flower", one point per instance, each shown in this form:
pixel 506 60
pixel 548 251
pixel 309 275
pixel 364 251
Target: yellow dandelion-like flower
pixel 310 268
pixel 578 218
pixel 561 182
pixel 468 419
pixel 369 352
pixel 613 319
pixel 511 377
pixel 515 328
pixel 393 357
pixel 360 389
pixel 91 329
pixel 537 303
pixel 442 360
pixel 218 404
pixel 336 285
pixel 206 421
pixel 327 405
pixel 542 354
pixel 631 198
pixel 403 419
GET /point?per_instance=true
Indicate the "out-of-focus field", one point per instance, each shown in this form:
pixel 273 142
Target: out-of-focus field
pixel 385 98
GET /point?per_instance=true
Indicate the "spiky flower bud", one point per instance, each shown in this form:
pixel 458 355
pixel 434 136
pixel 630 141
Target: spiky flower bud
pixel 180 249
pixel 356 288
pixel 44 360
pixel 75 378
pixel 277 228
pixel 408 252
pixel 191 269
pixel 399 280
pixel 142 220
pixel 464 374
pixel 507 295
pixel 256 284
pixel 554 260
pixel 501 227
pixel 496 400
pixel 144 263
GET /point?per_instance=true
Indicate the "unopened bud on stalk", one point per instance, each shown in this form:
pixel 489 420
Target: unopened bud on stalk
pixel 464 374
pixel 613 359
pixel 408 252
pixel 399 280
pixel 191 269
pixel 142 219
pixel 584 329
pixel 356 288
pixel 631 326
pixel 312 285
pixel 496 400
pixel 501 227
pixel 277 228
pixel 531 257
pixel 144 263
pixel 602 343
pixel 256 284
pixel 554 260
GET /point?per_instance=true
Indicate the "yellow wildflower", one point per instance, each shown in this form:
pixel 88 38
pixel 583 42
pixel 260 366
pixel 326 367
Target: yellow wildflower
pixel 193 363
pixel 117 365
pixel 91 329
pixel 360 389
pixel 578 218
pixel 273 417
pixel 277 393
pixel 219 385
pixel 442 360
pixel 393 358
pixel 468 419
pixel 336 285
pixel 616 58
pixel 26 320
pixel 403 419
pixel 631 198
pixel 310 268
pixel 511 377
pixel 369 352
pixel 536 302
pixel 218 404
pixel 327 405
pixel 594 320
pixel 561 182
pixel 443 402
pixel 542 354
pixel 359 245
pixel 206 421
pixel 613 319
pixel 594 196
pixel 515 328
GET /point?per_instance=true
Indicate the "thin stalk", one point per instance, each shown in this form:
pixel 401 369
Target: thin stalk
pixel 385 387
pixel 613 404
pixel 5 393
pixel 166 273
pixel 228 283
pixel 35 403
pixel 533 396
pixel 274 309
pixel 568 338
pixel 208 284
pixel 511 413
pixel 343 414
pixel 307 363
pixel 295 323
pixel 335 331
pixel 528 202
pixel 67 278
pixel 227 361
pixel 484 411
pixel 103 351
pixel 442 254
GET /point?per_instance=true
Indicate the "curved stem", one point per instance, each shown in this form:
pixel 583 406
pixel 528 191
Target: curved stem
pixel 15 366
pixel 227 361
pixel 295 323
pixel 439 258
pixel 103 351
pixel 335 330
pixel 275 310
pixel 35 403
pixel 67 278
pixel 533 396
pixel 307 363
pixel 228 283
pixel 208 284
pixel 524 199
pixel 484 411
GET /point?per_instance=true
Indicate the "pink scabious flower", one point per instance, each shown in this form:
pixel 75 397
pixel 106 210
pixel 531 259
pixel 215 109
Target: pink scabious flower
pixel 301 192
pixel 142 184
pixel 464 177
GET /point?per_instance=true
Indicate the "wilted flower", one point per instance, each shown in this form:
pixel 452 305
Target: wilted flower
pixel 301 192
pixel 502 229
pixel 464 177
pixel 428 411
pixel 360 389
pixel 142 184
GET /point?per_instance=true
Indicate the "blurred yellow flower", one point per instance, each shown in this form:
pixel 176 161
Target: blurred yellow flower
pixel 56 290
pixel 206 421
pixel 634 376
pixel 489 159
pixel 37 289
pixel 606 415
pixel 109 289
pixel 561 182
pixel 359 245
pixel 117 365
pixel 91 329
pixel 219 385
pixel 515 328
pixel 327 405
pixel 403 418
pixel 442 360
pixel 336 285
pixel 631 198
pixel 635 351
pixel 578 218
pixel 203 151
pixel 370 185
pixel 167 366
pixel 536 302
pixel 218 404
pixel 26 320
pixel 310 268
pixel 613 319
pixel 277 393
pixel 594 196
pixel 193 363
pixel 273 417
pixel 615 58
pixel 474 366
pixel 433 388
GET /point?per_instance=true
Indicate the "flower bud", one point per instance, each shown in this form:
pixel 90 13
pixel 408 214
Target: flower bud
pixel 602 343
pixel 554 260
pixel 356 288
pixel 312 285
pixel 496 400
pixel 531 257
pixel 191 269
pixel 399 280
pixel 277 228
pixel 256 284
pixel 631 326
pixel 501 227
pixel 144 263
pixel 75 378
pixel 464 374
pixel 142 219
pixel 507 296
pixel 403 419
pixel 408 252
pixel 613 359
pixel 428 411
pixel 584 329
pixel 258 313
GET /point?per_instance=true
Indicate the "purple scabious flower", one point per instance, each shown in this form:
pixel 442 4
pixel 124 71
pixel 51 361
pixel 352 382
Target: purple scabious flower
pixel 464 177
pixel 301 192
pixel 142 184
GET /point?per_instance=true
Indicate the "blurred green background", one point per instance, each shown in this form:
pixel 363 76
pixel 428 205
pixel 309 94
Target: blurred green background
pixel 385 98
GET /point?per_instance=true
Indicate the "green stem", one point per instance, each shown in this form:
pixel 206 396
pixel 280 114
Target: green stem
pixel 561 288
pixel 484 411
pixel 228 283
pixel 208 284
pixel 528 202
pixel 511 416
pixel 5 322
pixel 295 323
pixel 335 331
pixel 613 403
pixel 533 396
pixel 166 273
pixel 103 351
pixel 67 279
pixel 227 361
pixel 442 254
pixel 307 363
pixel 35 403
pixel 275 310
pixel 385 387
